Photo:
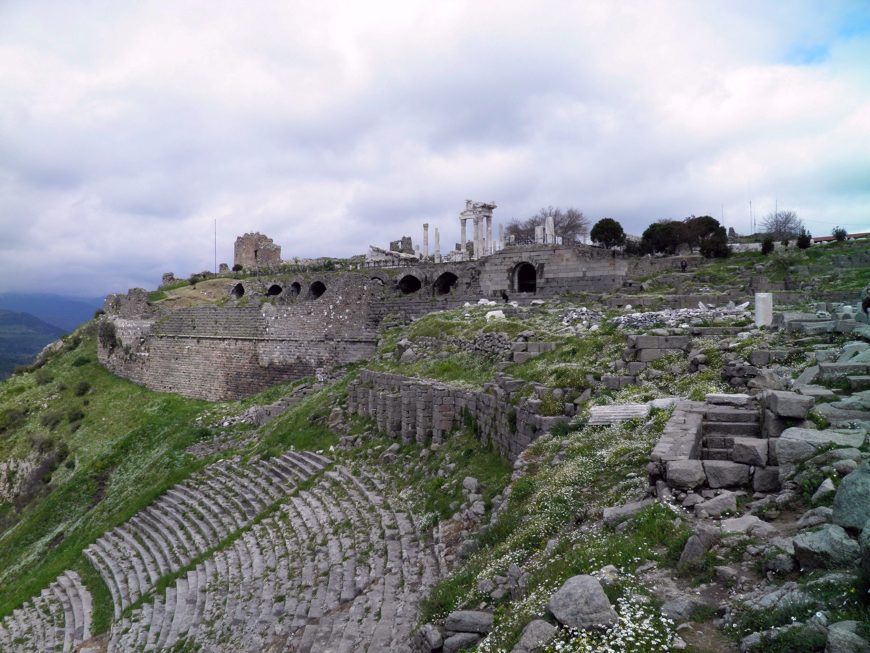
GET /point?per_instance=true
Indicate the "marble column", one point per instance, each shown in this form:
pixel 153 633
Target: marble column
pixel 437 246
pixel 763 309
pixel 500 236
pixel 426 240
pixel 463 237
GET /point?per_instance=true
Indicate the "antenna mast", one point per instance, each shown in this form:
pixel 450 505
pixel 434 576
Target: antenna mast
pixel 215 245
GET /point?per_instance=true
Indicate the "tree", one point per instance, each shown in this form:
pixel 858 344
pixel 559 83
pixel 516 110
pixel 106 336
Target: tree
pixel 804 239
pixel 839 234
pixel 663 236
pixel 570 224
pixel 782 225
pixel 767 245
pixel 607 232
pixel 694 230
pixel 715 245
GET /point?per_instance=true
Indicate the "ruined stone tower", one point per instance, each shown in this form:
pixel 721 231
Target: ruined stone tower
pixel 256 250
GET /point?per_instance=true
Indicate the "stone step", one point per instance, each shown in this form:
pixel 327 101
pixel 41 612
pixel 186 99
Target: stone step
pixel 741 429
pixel 715 454
pixel 725 414
pixel 614 414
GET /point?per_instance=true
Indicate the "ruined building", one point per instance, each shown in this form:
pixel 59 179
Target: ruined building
pixel 253 251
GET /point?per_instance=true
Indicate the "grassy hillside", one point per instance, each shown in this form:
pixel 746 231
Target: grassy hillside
pixel 22 337
pixel 104 447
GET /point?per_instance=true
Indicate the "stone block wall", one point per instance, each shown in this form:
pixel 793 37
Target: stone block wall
pixel 424 411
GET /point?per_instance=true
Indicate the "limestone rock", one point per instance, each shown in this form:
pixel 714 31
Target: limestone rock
pixel 686 474
pixel 749 524
pixel 617 514
pixel 698 544
pixel 723 473
pixel 750 451
pixel 814 517
pixel 843 638
pixel 681 608
pixel 852 501
pixel 788 404
pixel 582 603
pixel 460 641
pixel 787 595
pixel 428 638
pixel 824 490
pixel 826 548
pixel 469 621
pixel 535 636
pixel 718 505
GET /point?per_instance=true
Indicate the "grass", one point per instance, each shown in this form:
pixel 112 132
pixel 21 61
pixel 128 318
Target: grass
pixel 602 467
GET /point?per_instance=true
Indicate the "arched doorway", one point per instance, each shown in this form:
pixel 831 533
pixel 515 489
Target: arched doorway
pixel 316 290
pixel 409 284
pixel 294 289
pixel 274 290
pixel 526 278
pixel 238 291
pixel 445 283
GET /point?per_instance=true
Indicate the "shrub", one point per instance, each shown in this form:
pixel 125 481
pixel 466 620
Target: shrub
pixel 767 245
pixel 237 267
pixel 839 234
pixel 81 360
pixel 804 239
pixel 10 418
pixel 106 335
pixel 43 377
pixel 82 388
pixel 51 419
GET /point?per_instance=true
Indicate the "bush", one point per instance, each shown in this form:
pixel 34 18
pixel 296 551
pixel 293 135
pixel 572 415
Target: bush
pixel 767 245
pixel 51 419
pixel 82 388
pixel 804 239
pixel 839 234
pixel 237 267
pixel 81 360
pixel 715 245
pixel 43 377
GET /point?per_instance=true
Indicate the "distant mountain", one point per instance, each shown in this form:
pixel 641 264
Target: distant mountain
pixel 22 337
pixel 58 310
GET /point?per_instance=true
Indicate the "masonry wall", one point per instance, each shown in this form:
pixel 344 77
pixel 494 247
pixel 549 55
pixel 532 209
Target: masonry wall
pixel 423 411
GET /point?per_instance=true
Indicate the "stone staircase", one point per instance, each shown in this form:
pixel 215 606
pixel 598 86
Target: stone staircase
pixel 257 564
pixel 56 620
pixel 338 567
pixel 190 518
pixel 721 425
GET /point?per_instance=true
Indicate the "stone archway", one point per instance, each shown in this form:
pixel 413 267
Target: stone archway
pixel 525 278
pixel 274 290
pixel 238 291
pixel 409 284
pixel 445 283
pixel 316 289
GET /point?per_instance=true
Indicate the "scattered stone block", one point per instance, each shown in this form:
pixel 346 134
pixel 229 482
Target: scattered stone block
pixel 460 641
pixel 788 404
pixel 686 474
pixel 469 621
pixel 582 603
pixel 766 479
pixel 616 514
pixel 617 413
pixel 829 547
pixel 735 400
pixel 825 490
pixel 723 473
pixel 852 501
pixel 718 505
pixel 750 451
pixel 536 635
pixel 749 524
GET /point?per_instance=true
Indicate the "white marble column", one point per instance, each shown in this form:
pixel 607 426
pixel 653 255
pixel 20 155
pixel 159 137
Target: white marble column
pixel 426 240
pixel 763 309
pixel 463 235
pixel 551 230
pixel 490 248
pixel 478 237
pixel 500 236
pixel 437 246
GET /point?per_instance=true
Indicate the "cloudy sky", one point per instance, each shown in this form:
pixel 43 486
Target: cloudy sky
pixel 128 128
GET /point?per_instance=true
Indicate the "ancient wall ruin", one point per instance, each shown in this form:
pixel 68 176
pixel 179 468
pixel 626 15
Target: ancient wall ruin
pixel 274 328
pixel 253 251
pixel 422 411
